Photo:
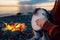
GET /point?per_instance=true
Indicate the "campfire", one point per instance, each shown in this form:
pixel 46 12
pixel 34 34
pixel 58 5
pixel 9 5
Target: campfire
pixel 15 26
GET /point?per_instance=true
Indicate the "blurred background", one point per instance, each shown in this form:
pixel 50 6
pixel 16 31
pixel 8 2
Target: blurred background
pixel 20 11
pixel 12 7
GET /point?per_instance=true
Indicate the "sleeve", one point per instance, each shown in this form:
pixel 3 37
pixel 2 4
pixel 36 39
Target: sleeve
pixel 56 33
pixel 49 27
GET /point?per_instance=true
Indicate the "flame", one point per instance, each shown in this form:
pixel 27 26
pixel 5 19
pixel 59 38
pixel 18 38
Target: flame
pixel 15 26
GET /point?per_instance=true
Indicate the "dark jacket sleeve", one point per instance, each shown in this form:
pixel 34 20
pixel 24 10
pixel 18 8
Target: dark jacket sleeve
pixel 56 13
pixel 55 35
pixel 52 30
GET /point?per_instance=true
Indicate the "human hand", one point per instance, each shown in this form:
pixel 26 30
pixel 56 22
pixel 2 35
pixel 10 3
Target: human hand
pixel 39 23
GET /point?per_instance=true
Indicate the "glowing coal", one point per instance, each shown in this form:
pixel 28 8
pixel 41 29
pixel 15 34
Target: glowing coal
pixel 15 26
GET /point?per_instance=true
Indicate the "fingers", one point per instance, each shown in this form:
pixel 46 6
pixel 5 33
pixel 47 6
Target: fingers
pixel 38 22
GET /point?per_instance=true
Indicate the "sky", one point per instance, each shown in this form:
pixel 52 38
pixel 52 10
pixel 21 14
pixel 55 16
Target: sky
pixel 7 4
pixel 25 1
pixel 35 1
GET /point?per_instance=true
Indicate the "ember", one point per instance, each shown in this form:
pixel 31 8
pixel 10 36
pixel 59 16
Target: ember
pixel 15 26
